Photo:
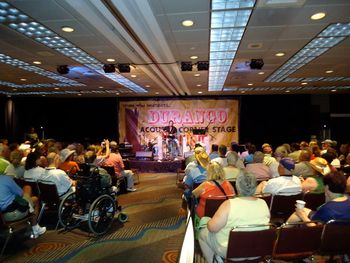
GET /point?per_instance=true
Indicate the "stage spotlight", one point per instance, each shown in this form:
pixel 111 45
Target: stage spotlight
pixel 186 66
pixel 203 65
pixel 124 68
pixel 256 63
pixel 63 69
pixel 109 68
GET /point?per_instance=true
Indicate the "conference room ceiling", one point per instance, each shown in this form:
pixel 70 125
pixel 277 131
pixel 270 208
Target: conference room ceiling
pixel 148 35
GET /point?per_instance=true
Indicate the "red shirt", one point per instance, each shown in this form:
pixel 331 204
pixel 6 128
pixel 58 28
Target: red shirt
pixel 115 160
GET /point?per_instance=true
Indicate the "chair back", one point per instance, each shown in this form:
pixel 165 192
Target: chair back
pixel 314 200
pixel 212 204
pixel 297 241
pixel 283 206
pixel 336 238
pixel 33 184
pixel 48 193
pixel 266 197
pixel 245 243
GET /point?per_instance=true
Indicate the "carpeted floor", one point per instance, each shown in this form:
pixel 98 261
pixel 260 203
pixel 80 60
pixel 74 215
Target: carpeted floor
pixel 153 233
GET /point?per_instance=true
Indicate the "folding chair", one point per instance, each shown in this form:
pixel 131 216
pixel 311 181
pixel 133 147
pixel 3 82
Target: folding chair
pixel 252 241
pixel 21 183
pixel 8 229
pixel 283 206
pixel 297 241
pixel 336 238
pixel 266 197
pixel 212 204
pixel 50 200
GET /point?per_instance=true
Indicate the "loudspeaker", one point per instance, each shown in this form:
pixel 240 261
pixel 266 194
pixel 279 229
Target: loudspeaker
pixel 109 68
pixel 203 65
pixel 186 66
pixel 141 155
pixel 256 63
pixel 63 69
pixel 124 68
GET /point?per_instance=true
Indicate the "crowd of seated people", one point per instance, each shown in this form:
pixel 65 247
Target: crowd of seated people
pixel 289 170
pixel 49 162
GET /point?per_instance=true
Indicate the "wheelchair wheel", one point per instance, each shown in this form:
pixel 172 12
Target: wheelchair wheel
pixel 68 211
pixel 101 214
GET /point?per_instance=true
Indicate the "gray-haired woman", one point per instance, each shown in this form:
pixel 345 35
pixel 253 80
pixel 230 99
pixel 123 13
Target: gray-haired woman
pixel 245 209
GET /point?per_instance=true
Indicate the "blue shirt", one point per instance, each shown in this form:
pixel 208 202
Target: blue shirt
pixel 8 191
pixel 332 210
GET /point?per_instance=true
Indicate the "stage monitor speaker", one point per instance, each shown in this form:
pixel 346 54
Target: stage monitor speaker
pixel 143 155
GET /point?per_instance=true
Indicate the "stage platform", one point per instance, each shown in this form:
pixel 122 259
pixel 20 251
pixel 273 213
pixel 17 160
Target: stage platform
pixel 161 166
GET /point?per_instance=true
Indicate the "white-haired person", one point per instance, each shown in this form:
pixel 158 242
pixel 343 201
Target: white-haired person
pixel 231 170
pixel 246 209
pixel 216 185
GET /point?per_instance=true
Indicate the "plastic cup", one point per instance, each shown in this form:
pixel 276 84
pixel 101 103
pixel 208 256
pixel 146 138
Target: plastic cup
pixel 300 204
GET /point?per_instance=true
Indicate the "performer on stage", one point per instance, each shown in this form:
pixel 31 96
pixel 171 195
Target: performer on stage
pixel 170 135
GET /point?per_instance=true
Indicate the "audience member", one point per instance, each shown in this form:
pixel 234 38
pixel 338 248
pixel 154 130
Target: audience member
pixel 4 154
pixel 245 209
pixel 214 151
pixel 222 156
pixel 285 184
pixel 303 167
pixel 15 168
pixel 67 164
pixel 231 170
pixel 325 145
pixel 258 168
pixel 250 156
pixel 295 151
pixel 116 160
pixel 344 150
pixel 196 171
pixel 337 206
pixel 57 176
pixel 33 172
pixel 215 186
pixel 16 203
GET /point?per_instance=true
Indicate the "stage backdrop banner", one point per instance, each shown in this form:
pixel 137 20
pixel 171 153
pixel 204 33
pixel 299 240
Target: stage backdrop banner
pixel 213 121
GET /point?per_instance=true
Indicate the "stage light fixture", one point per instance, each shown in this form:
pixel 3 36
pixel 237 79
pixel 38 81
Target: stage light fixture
pixel 124 68
pixel 63 69
pixel 256 63
pixel 109 68
pixel 203 65
pixel 186 66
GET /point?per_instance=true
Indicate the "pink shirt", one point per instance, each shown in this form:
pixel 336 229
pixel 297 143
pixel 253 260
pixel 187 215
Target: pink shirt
pixel 260 170
pixel 115 160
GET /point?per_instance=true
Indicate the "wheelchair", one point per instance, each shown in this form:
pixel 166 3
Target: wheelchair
pixel 93 201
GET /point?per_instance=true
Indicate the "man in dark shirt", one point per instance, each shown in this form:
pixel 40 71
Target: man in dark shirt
pixel 169 133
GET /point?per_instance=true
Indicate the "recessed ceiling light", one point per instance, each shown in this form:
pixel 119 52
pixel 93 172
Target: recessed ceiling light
pixel 157 92
pixel 318 16
pixel 287 91
pixel 133 76
pixel 117 93
pixel 199 92
pixel 187 23
pixel 193 48
pixel 199 85
pixel 329 71
pixel 23 79
pixel 110 59
pixel 250 84
pixel 148 86
pixel 304 83
pixel 197 75
pixel 280 54
pixel 100 87
pixel 37 62
pixel 333 90
pixel 79 94
pixel 14 89
pixel 43 95
pixel 193 57
pixel 67 29
pixel 242 91
pixel 57 88
pixel 261 73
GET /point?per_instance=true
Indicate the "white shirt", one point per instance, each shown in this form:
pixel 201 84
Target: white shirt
pixel 221 160
pixel 34 174
pixel 283 185
pixel 59 178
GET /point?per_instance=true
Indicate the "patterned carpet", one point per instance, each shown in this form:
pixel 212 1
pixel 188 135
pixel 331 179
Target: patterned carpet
pixel 153 233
